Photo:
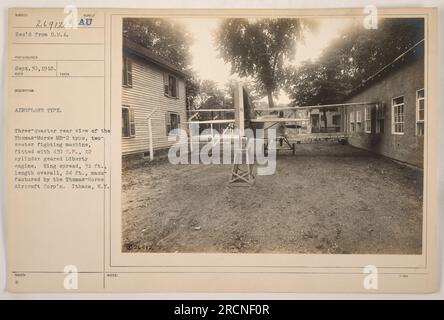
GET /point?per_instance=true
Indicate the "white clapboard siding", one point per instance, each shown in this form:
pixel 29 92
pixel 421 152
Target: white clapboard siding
pixel 147 93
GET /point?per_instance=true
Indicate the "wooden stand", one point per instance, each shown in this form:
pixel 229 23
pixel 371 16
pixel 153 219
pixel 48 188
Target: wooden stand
pixel 242 173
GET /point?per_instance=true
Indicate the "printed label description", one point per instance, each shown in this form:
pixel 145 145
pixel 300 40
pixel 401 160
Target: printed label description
pixel 58 159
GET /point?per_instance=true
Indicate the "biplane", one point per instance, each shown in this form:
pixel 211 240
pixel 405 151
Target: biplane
pixel 282 119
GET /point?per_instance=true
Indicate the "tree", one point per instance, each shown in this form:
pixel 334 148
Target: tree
pixel 166 38
pixel 314 84
pixel 192 89
pixel 211 97
pixel 351 59
pixel 362 52
pixel 257 48
pixel 207 95
pixel 254 93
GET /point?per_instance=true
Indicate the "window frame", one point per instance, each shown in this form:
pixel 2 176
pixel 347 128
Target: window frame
pixel 167 91
pixel 358 120
pixel 131 123
pixel 127 72
pixel 393 115
pixel 368 119
pixel 418 121
pixel 168 127
pixel 336 123
pixel 380 116
pixel 352 121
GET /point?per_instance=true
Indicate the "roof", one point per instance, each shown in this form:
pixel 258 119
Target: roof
pixel 146 54
pixel 402 59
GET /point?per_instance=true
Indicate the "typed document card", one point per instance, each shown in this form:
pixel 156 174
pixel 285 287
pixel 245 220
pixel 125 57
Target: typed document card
pixel 222 150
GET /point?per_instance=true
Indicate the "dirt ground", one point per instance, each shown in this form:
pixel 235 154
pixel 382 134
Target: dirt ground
pixel 328 198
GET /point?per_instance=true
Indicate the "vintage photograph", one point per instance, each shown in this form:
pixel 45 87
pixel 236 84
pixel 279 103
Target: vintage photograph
pixel 273 135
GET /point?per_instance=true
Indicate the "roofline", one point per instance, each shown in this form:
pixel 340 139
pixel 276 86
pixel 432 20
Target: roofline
pixel 363 83
pixel 146 54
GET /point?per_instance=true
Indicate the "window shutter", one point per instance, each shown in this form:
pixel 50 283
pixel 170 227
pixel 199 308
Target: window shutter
pixel 167 122
pixel 124 71
pixel 132 123
pixel 177 88
pixel 125 122
pixel 129 72
pixel 128 122
pixel 171 86
pixel 165 83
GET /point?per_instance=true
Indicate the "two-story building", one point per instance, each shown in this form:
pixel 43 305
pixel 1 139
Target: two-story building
pixel 153 101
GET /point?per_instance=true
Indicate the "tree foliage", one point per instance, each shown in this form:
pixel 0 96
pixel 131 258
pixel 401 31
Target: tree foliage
pixel 166 38
pixel 258 48
pixel 210 96
pixel 192 89
pixel 254 93
pixel 350 59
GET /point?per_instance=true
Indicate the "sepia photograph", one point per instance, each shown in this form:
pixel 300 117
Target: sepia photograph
pixel 273 135
pixel 222 151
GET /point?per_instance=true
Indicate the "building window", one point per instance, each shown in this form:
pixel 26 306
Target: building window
pixel 420 107
pixel 336 119
pixel 128 123
pixel 398 115
pixel 352 121
pixel 368 119
pixel 170 85
pixel 127 72
pixel 172 120
pixel 358 120
pixel 380 118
